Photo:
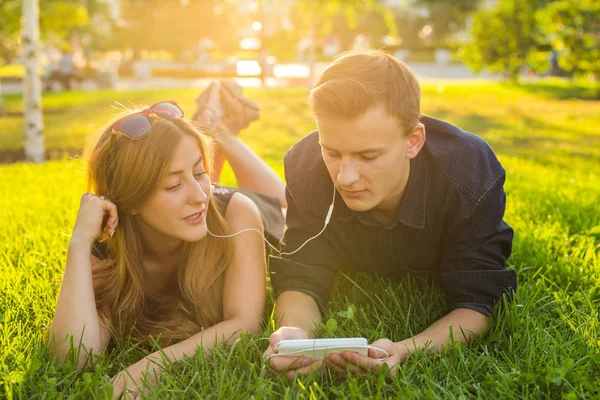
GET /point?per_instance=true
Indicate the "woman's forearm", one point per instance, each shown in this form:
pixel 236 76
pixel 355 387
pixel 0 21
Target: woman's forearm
pixel 226 331
pixel 76 312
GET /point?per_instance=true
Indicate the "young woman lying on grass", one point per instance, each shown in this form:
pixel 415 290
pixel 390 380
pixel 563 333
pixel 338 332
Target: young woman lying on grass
pixel 141 261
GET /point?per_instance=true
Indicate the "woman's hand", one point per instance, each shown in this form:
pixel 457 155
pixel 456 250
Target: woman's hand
pixel 93 210
pixel 135 381
pixel 125 386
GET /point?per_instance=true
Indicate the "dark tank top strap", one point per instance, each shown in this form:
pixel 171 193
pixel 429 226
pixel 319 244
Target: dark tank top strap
pixel 269 207
pixel 222 196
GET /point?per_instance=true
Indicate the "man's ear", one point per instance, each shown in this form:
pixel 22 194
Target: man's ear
pixel 416 140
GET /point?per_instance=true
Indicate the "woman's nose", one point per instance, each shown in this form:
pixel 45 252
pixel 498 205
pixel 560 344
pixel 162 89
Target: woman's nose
pixel 198 194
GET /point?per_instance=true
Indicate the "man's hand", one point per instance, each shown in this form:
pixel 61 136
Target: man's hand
pixel 350 362
pixel 289 365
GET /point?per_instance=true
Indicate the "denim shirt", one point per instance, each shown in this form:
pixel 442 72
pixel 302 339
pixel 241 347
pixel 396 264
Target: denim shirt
pixel 449 224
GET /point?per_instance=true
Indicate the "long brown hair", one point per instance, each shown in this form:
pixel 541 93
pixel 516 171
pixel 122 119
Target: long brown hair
pixel 129 172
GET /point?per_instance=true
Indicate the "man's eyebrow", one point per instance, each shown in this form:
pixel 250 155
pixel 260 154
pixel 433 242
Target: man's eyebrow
pixel 180 171
pixel 368 150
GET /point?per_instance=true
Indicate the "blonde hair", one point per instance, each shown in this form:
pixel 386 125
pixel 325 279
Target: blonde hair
pixel 129 172
pixel 359 80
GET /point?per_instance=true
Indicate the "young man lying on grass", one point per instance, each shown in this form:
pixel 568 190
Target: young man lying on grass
pixel 405 202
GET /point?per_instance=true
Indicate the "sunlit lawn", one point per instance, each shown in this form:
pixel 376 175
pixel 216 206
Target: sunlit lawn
pixel 545 344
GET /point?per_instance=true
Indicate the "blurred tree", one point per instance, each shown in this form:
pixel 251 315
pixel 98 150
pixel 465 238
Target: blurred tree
pixel 339 18
pixel 345 18
pixel 315 20
pixel 97 34
pixel 10 14
pixel 573 30
pixel 504 38
pixel 446 17
pixel 59 19
pixel 32 93
pixel 175 26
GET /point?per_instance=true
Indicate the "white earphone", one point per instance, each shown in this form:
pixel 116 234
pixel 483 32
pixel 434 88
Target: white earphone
pixel 327 218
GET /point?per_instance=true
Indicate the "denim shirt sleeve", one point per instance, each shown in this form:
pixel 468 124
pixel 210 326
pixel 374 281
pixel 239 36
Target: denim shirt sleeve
pixel 473 273
pixel 312 269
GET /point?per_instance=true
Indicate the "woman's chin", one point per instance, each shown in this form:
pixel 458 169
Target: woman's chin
pixel 196 234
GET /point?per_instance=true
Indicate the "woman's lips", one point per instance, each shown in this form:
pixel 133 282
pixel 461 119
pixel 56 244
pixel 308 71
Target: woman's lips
pixel 195 219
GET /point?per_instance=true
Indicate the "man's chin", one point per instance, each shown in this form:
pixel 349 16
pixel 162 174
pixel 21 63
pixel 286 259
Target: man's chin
pixel 358 205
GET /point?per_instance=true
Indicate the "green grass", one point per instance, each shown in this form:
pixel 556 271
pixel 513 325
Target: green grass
pixel 544 344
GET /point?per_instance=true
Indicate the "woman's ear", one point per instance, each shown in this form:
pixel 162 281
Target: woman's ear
pixel 133 212
pixel 416 140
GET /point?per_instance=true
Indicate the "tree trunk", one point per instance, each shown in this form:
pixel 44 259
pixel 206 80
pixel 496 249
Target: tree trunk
pixel 32 95
pixel 1 99
pixel 312 58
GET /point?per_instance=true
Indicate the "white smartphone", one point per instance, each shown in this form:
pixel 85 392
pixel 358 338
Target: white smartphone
pixel 319 348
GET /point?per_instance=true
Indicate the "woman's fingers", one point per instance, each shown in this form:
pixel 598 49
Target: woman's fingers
pixel 96 209
pixel 113 215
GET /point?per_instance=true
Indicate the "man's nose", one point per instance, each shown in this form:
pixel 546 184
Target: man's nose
pixel 348 173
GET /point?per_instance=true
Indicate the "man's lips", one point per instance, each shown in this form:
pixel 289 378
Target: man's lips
pixel 352 193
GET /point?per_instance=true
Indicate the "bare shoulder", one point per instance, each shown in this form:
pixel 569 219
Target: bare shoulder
pixel 242 213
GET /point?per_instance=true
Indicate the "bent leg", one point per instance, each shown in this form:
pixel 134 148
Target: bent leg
pixel 251 171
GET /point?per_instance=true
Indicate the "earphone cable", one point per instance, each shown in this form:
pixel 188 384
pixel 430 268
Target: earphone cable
pixel 327 219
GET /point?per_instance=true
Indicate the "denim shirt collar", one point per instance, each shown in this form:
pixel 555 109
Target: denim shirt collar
pixel 413 206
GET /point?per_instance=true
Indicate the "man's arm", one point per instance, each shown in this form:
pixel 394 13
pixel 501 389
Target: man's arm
pixel 474 275
pixel 473 279
pixel 461 324
pixel 297 313
pixel 298 310
pixel 302 282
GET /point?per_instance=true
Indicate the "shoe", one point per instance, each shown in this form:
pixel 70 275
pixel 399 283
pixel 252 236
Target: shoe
pixel 231 107
pixel 209 99
pixel 238 92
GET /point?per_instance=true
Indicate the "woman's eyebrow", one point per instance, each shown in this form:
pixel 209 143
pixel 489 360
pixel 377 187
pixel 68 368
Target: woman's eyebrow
pixel 180 171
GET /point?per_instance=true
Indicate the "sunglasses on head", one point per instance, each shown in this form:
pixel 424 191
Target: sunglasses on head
pixel 136 125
